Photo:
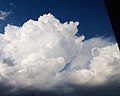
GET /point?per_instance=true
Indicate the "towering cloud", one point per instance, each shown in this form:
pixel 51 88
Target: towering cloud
pixel 46 54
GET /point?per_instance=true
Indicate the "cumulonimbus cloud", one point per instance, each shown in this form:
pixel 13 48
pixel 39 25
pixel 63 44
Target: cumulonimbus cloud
pixel 45 53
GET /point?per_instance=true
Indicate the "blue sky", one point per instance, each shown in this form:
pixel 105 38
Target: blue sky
pixel 91 14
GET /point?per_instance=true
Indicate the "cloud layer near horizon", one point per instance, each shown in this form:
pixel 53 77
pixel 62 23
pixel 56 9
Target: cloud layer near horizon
pixel 45 54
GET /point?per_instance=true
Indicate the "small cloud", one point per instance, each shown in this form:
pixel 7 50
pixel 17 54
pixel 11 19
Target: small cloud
pixel 4 14
pixel 11 3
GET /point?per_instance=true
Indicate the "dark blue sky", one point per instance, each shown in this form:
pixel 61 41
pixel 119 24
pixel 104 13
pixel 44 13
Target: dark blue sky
pixel 91 14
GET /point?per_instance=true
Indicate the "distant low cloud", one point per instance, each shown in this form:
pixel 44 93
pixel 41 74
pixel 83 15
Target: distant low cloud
pixel 4 14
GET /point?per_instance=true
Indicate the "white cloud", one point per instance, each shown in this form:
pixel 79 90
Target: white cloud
pixel 44 54
pixel 4 14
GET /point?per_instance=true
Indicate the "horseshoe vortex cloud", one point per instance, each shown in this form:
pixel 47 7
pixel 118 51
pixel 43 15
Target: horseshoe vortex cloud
pixel 44 54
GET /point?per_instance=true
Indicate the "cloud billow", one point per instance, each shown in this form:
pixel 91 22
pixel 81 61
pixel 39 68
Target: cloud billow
pixel 46 55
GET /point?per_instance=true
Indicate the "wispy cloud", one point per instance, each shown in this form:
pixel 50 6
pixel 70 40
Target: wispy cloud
pixel 4 14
